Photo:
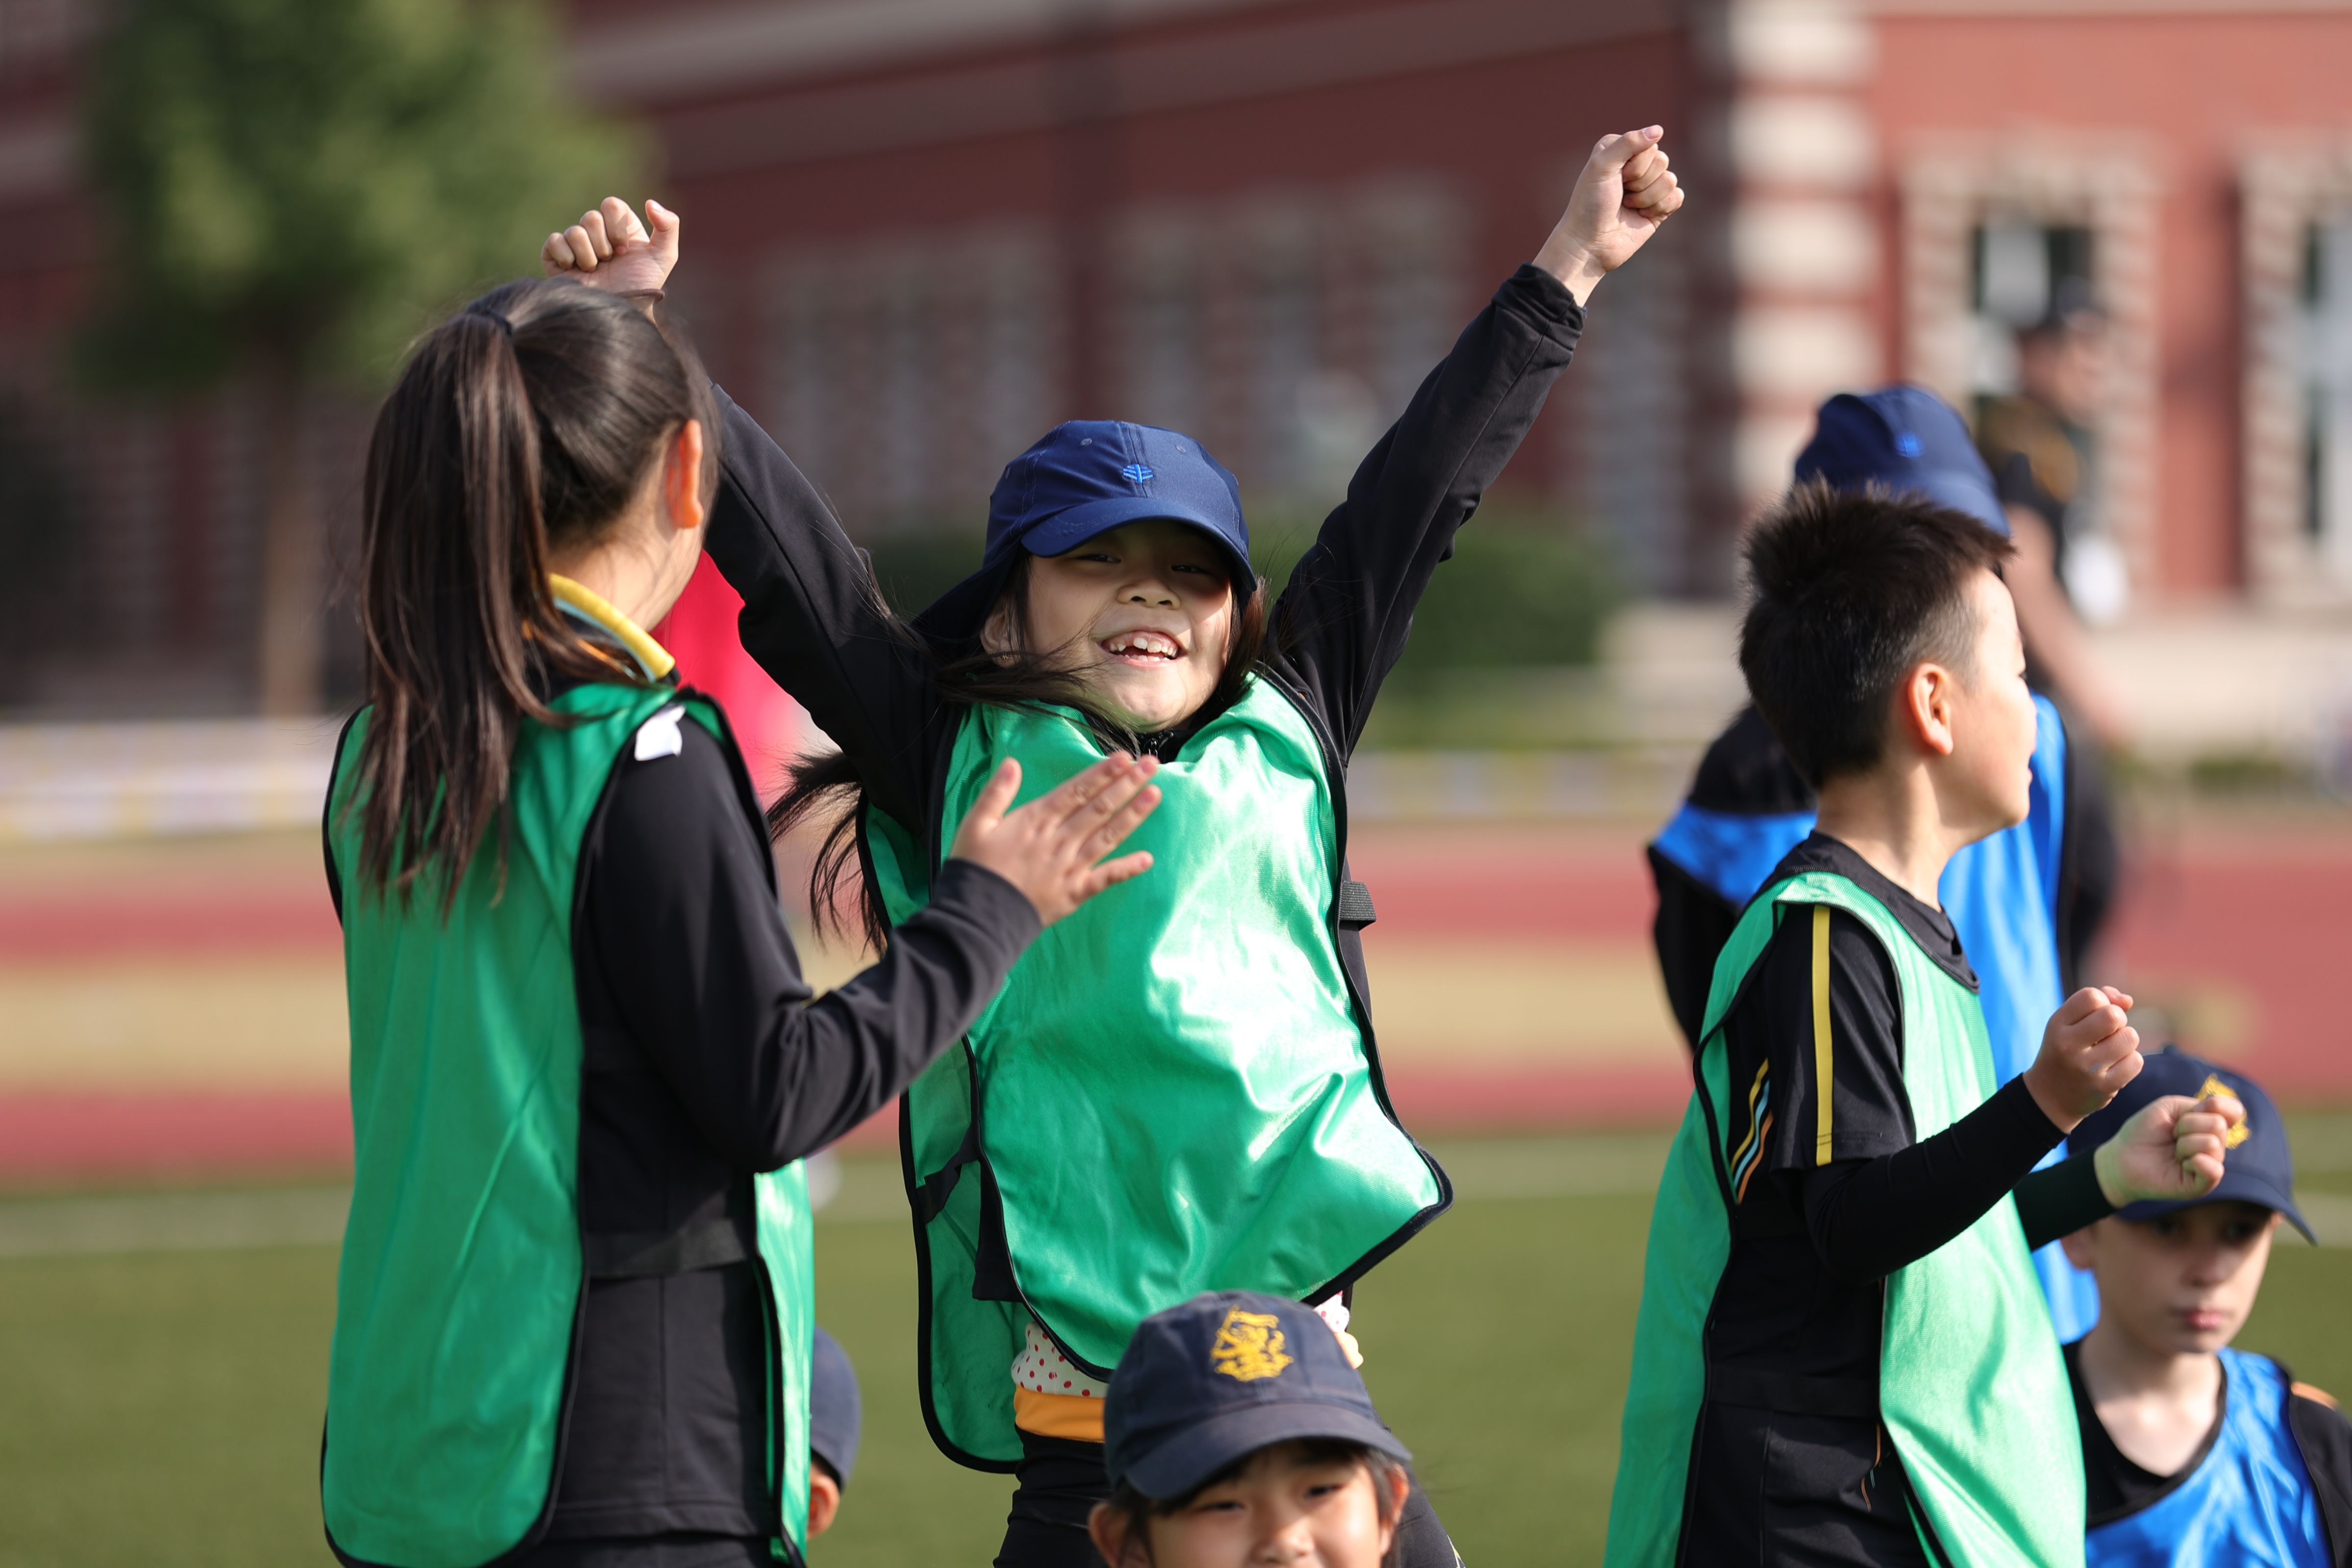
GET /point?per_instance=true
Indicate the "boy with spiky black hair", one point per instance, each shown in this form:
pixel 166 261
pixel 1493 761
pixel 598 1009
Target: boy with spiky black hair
pixel 1842 1356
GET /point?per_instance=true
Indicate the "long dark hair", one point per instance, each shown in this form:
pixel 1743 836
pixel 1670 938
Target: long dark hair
pixel 827 783
pixel 522 424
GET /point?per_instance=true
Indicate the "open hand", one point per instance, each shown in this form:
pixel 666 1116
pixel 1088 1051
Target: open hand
pixel 2171 1151
pixel 2089 1051
pixel 1049 848
pixel 1626 191
pixel 608 249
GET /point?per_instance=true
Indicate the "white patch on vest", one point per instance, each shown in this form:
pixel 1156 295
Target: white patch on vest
pixel 658 736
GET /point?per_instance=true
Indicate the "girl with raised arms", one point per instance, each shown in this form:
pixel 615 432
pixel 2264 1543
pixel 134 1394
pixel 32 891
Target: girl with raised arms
pixel 1177 1090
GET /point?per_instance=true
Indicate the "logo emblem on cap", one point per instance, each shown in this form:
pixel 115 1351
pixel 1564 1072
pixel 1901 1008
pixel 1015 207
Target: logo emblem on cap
pixel 1249 1345
pixel 1909 444
pixel 2239 1132
pixel 1136 473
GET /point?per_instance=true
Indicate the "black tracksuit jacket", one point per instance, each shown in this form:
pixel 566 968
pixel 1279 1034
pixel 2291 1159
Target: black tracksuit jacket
pixel 813 620
pixel 706 1058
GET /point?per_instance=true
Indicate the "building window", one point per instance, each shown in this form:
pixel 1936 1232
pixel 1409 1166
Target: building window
pixel 2019 269
pixel 2325 373
pixel 1286 330
pixel 2296 236
pixel 1995 228
pixel 906 371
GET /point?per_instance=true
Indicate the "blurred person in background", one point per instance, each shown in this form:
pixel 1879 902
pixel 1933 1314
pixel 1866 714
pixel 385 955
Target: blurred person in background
pixel 573 1309
pixel 2042 445
pixel 1748 806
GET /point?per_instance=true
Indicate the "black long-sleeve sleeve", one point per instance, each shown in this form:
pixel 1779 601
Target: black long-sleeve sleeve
pixel 1871 1195
pixel 706 1058
pixel 1340 625
pixel 691 948
pixel 1869 1218
pixel 815 621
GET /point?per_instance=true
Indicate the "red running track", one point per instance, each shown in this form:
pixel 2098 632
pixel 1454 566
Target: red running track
pixel 2257 920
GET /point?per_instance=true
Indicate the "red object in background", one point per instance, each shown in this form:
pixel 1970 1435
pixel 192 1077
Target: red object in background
pixel 700 635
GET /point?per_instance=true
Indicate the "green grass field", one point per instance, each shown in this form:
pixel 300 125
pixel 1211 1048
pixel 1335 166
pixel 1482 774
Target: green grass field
pixel 163 1408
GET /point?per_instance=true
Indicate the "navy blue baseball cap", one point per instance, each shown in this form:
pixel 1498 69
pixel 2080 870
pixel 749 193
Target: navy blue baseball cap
pixel 1085 478
pixel 1211 1382
pixel 1903 439
pixel 1091 475
pixel 835 1412
pixel 2256 1168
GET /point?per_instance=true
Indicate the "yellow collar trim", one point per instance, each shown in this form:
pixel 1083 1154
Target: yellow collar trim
pixel 587 602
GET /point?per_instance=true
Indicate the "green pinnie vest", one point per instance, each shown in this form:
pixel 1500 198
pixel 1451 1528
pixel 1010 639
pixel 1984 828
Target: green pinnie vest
pixel 1972 1391
pixel 1173 1092
pixel 462 1280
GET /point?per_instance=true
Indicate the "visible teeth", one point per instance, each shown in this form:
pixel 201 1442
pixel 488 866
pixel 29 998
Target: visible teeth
pixel 1149 644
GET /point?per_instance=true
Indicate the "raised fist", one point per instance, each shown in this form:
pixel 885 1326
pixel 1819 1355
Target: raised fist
pixel 608 249
pixel 1627 189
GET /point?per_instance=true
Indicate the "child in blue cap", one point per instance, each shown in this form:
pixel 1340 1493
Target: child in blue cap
pixel 1238 1433
pixel 2192 1452
pixel 2009 895
pixel 1185 1093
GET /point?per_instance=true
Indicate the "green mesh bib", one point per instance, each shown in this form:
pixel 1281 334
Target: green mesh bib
pixel 462 1270
pixel 1972 1390
pixel 1172 1093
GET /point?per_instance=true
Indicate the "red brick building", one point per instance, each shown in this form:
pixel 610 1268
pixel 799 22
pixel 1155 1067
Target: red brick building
pixel 920 231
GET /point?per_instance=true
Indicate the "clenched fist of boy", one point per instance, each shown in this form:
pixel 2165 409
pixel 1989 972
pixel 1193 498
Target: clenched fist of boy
pixel 1627 189
pixel 2089 1051
pixel 2171 1151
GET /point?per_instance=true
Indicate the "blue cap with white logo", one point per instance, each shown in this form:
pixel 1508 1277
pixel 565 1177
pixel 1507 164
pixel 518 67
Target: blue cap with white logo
pixel 1905 439
pixel 2256 1167
pixel 1207 1383
pixel 1091 475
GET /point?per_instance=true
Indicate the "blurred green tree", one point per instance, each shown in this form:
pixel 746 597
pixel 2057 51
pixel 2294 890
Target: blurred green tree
pixel 292 188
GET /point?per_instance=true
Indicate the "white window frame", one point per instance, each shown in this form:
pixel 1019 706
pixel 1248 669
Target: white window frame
pixel 2284 187
pixel 2104 181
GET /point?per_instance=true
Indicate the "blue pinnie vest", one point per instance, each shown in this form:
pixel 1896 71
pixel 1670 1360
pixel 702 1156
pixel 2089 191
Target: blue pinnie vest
pixel 2249 1503
pixel 2003 896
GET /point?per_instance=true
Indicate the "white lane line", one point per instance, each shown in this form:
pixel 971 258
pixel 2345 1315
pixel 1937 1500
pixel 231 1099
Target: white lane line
pixel 868 1192
pixel 173 1222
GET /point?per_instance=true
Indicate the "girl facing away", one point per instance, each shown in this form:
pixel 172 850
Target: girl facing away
pixel 1178 1090
pixel 573 1316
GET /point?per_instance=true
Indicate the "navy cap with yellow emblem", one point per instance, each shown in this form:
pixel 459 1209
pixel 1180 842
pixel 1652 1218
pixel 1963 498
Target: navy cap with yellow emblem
pixel 2256 1167
pixel 1211 1382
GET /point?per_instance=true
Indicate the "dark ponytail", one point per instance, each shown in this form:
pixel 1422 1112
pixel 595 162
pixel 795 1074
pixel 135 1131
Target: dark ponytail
pixel 828 784
pixel 523 424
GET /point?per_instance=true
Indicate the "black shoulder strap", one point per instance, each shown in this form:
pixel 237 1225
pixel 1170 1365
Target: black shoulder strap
pixel 2324 1436
pixel 326 818
pixel 931 1196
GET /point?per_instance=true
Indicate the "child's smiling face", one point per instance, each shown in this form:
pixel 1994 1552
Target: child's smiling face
pixel 1286 1507
pixel 1143 615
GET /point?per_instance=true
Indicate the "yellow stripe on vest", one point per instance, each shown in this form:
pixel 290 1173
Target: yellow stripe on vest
pixel 1821 1032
